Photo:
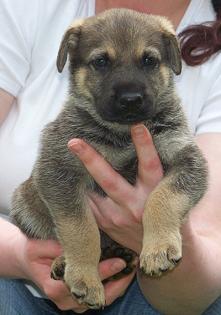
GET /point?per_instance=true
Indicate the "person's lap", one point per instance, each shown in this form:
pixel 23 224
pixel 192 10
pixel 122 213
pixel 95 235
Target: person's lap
pixel 15 299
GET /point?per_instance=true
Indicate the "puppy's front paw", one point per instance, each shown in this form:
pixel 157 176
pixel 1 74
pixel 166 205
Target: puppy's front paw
pixel 85 285
pixel 161 256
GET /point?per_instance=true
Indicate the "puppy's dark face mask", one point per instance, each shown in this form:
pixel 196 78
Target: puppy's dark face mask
pixel 121 64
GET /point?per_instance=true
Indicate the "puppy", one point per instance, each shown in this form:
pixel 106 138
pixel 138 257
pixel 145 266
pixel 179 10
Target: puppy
pixel 121 73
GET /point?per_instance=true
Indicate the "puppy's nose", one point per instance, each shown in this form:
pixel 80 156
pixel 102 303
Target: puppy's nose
pixel 129 99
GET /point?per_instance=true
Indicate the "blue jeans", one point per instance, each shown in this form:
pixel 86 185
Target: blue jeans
pixel 15 299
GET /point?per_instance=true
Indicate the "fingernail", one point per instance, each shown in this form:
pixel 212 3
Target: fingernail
pixel 118 266
pixel 138 130
pixel 76 146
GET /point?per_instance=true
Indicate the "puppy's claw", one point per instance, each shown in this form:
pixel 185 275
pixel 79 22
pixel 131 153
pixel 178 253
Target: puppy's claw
pixel 176 261
pixel 157 259
pixel 87 289
pixel 78 296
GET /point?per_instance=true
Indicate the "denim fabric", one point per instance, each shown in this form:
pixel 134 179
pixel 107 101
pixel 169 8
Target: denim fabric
pixel 215 308
pixel 15 299
pixel 132 303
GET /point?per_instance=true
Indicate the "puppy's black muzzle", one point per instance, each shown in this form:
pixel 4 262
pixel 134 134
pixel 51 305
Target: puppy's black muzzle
pixel 129 101
pixel 127 106
pixel 130 104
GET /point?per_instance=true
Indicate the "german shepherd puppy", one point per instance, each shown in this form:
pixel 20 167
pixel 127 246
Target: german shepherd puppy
pixel 121 73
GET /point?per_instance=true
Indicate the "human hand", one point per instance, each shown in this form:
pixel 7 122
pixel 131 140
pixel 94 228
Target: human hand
pixel 36 257
pixel 120 215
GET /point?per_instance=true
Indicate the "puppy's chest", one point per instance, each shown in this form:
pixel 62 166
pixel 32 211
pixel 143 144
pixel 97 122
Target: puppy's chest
pixel 123 160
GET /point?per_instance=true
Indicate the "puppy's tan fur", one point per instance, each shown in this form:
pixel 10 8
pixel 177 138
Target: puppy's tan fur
pixel 121 73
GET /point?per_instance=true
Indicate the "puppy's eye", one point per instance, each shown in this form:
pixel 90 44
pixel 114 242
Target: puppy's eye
pixel 148 61
pixel 100 62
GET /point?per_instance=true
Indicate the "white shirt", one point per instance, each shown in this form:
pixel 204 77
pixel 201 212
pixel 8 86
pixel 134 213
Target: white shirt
pixel 31 32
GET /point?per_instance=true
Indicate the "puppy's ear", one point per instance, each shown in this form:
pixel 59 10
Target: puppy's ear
pixel 68 44
pixel 173 54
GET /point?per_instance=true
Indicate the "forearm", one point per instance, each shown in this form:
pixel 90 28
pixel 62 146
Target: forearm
pixel 11 240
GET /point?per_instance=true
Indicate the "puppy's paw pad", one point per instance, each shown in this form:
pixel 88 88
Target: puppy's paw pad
pixel 58 268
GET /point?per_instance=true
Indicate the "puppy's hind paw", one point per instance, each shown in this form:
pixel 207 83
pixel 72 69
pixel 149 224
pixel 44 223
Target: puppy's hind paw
pixel 58 268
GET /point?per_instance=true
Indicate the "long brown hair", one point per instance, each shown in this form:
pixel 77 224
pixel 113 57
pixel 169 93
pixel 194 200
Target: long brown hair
pixel 200 42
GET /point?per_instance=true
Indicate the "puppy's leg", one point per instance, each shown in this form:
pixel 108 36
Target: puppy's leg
pixel 80 239
pixel 30 213
pixel 162 219
pixel 181 188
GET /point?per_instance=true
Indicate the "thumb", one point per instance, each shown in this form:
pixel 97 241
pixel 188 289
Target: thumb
pixel 110 267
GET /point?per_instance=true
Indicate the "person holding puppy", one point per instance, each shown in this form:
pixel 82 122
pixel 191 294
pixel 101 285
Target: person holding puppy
pixel 195 284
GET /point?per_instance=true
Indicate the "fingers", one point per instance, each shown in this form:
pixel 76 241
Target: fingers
pixel 107 268
pixel 80 310
pixel 111 182
pixel 68 303
pixel 44 249
pixel 58 292
pixel 106 211
pixel 115 289
pixel 149 166
pixel 110 267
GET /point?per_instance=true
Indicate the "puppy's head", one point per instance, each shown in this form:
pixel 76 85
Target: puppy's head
pixel 121 63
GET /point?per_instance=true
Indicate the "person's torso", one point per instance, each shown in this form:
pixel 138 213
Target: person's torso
pixel 45 90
